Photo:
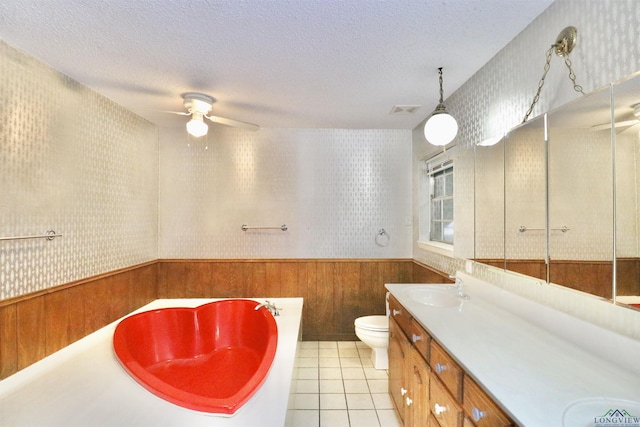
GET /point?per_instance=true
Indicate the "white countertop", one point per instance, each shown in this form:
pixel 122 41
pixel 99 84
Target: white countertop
pixel 531 359
pixel 84 385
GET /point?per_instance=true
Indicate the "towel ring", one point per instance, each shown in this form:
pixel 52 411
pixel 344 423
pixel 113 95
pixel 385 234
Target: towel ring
pixel 382 238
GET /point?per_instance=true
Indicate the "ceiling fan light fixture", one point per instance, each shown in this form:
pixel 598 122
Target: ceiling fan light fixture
pixel 196 126
pixel 441 127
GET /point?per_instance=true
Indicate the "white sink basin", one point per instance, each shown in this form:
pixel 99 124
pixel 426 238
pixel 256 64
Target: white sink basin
pixel 601 411
pixel 433 295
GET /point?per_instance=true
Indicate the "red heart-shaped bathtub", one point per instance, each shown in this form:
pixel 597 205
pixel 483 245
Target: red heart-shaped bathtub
pixel 211 358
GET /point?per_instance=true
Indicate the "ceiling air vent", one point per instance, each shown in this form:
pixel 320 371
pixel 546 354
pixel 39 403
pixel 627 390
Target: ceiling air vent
pixel 404 109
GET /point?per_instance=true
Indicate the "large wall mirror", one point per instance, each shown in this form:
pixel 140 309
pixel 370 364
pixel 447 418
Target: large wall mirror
pixel 626 96
pixel 581 195
pixel 558 197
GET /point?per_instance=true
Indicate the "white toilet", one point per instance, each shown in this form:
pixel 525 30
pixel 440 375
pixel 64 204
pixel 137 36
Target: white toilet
pixel 374 332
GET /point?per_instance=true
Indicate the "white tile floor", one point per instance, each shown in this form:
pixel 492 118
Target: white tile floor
pixel 335 385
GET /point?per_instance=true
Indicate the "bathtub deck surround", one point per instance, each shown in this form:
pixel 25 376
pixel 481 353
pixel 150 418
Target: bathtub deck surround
pixel 83 384
pixel 534 361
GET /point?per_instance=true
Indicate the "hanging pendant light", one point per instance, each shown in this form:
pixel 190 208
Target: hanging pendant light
pixel 441 128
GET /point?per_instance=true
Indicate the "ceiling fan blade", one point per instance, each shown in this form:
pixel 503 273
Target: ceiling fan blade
pixel 630 129
pixel 233 123
pixel 180 113
pixel 616 125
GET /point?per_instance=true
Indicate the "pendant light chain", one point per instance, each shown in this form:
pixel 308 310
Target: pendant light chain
pixel 572 75
pixel 441 91
pixel 547 66
pixel 441 127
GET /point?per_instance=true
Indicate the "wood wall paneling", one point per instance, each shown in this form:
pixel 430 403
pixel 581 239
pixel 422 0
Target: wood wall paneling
pixel 354 293
pixel 335 293
pixel 224 281
pixel 34 326
pixel 323 319
pixel 169 274
pixel 628 276
pixel 31 331
pixel 255 279
pixel 57 321
pixel 307 288
pixel 420 273
pixel 8 340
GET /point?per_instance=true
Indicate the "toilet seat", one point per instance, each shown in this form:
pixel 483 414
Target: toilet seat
pixel 373 323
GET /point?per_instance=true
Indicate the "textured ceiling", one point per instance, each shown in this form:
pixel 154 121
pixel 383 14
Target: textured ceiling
pixel 276 63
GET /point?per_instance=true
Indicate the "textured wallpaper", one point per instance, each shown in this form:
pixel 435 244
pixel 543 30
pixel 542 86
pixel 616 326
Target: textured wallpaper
pixel 498 95
pixel 74 162
pixel 335 189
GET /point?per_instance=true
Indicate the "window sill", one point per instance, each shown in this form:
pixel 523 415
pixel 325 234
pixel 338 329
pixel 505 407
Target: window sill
pixel 437 247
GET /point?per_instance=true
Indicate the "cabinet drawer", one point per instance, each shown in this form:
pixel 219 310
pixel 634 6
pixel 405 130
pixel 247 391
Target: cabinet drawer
pixel 481 408
pixel 446 369
pixel 420 339
pixel 443 407
pixel 400 315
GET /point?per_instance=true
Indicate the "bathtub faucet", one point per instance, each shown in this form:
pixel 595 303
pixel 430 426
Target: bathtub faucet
pixel 269 306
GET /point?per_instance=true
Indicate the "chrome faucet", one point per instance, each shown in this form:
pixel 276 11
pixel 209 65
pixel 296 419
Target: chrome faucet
pixel 459 287
pixel 273 309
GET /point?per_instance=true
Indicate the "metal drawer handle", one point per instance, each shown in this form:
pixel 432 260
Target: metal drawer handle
pixel 403 391
pixel 416 338
pixel 440 368
pixel 478 414
pixel 409 401
pixel 439 409
pixel 396 312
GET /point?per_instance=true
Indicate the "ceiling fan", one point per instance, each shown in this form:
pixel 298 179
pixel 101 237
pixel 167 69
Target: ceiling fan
pixel 198 106
pixel 624 125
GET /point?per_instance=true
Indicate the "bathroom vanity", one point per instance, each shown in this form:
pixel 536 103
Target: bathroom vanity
pixel 498 359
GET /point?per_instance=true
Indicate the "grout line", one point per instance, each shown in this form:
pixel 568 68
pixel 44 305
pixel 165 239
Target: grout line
pixel 363 359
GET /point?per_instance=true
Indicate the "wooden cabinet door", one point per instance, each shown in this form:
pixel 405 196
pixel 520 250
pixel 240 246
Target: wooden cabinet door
pixel 419 390
pixel 432 421
pixel 397 382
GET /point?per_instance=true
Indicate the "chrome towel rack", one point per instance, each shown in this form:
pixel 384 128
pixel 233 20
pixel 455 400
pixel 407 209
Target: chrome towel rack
pixel 245 227
pixel 50 235
pixel 524 228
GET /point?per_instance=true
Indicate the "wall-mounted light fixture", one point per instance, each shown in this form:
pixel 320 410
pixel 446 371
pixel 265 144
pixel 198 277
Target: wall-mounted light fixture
pixel 441 128
pixel 564 44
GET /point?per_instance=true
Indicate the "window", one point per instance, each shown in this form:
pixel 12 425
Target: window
pixel 441 218
pixel 436 200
